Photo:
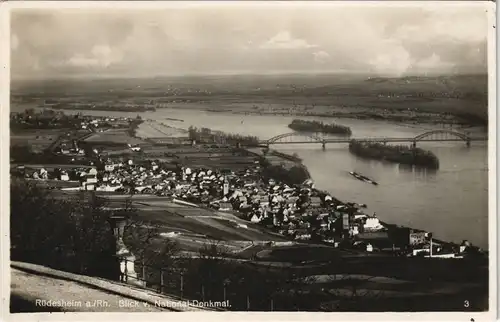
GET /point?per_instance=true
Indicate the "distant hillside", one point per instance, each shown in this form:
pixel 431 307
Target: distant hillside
pixel 458 94
pixel 463 86
pixel 468 89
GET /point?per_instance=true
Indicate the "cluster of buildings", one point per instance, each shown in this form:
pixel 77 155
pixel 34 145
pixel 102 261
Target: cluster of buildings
pixel 99 123
pixel 300 212
pixel 70 149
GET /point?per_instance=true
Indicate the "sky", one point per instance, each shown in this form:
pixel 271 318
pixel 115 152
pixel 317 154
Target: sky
pixel 232 39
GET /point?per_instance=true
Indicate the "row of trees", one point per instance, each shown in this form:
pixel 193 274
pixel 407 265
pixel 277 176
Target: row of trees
pixel 115 107
pixel 25 154
pixel 297 174
pixel 399 153
pixel 206 135
pixel 42 119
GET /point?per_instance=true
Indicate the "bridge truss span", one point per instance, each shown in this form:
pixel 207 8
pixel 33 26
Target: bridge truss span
pixel 295 137
pixel 441 135
pixel 429 136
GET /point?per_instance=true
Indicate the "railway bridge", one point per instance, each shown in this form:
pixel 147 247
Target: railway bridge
pixel 315 138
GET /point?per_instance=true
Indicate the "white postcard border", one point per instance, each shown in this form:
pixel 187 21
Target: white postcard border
pixel 5 10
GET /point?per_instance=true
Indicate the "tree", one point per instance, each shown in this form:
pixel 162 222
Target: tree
pixel 143 239
pixel 71 234
pixel 21 153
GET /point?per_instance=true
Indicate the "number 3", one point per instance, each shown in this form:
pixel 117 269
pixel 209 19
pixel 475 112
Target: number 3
pixel 466 303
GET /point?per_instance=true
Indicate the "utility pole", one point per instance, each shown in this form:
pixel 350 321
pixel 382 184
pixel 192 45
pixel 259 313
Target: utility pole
pixel 429 236
pixel 431 247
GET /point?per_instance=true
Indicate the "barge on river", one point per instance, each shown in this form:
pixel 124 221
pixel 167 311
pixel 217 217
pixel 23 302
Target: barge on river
pixel 363 178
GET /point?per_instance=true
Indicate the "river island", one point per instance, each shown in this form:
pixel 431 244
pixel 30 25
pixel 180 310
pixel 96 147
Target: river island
pixel 319 127
pixel 402 154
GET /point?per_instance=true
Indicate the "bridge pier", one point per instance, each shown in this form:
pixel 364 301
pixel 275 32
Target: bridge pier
pixel 323 146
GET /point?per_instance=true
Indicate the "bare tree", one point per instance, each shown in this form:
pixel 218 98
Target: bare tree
pixel 351 292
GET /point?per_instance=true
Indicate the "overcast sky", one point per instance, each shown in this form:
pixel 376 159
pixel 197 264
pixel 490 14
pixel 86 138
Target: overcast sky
pixel 248 39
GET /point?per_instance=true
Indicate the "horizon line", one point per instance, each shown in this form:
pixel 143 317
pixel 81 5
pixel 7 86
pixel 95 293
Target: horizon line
pixel 233 74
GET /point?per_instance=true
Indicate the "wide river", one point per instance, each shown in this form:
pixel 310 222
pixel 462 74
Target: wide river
pixel 451 202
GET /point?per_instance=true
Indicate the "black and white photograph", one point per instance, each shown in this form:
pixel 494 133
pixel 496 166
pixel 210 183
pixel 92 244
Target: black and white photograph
pixel 222 157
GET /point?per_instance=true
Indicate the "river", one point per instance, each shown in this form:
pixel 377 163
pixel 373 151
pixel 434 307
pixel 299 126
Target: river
pixel 451 202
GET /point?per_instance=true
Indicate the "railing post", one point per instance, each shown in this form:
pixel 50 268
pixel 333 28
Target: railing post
pixel 248 302
pixel 125 271
pixel 182 285
pixel 143 272
pixel 161 281
pixel 203 293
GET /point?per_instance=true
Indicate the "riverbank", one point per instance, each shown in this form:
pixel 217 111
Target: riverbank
pixel 139 108
pixel 360 113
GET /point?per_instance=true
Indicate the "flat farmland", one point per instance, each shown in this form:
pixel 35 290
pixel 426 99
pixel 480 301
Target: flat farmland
pixel 158 151
pixel 218 225
pixel 173 217
pixel 217 163
pixel 239 232
pixel 155 129
pixel 193 242
pixel 179 223
pixel 56 183
pixel 214 154
pixel 212 157
pixel 300 253
pixel 199 150
pixel 172 207
pixel 39 140
pixel 51 167
pixel 113 136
